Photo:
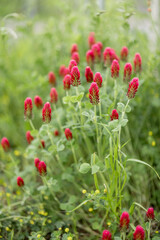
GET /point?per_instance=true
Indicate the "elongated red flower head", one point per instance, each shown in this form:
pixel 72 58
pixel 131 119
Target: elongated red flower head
pixel 67 71
pixel 124 221
pixel 98 79
pixel 46 113
pixel 52 78
pixel 114 115
pixel 75 76
pixel 96 51
pixel 124 53
pixel 53 95
pixel 90 57
pixel 42 168
pixel 38 101
pixel 75 56
pixel 28 108
pixel 115 69
pixel 133 87
pixel 150 213
pixel 106 235
pixel 94 93
pixel 29 137
pixel 56 133
pixel 36 162
pixel 68 133
pixel 139 233
pixel 5 144
pixel 109 55
pixel 67 82
pixel 88 74
pixel 74 48
pixel 100 45
pixel 62 70
pixel 72 64
pixel 91 39
pixel 20 182
pixel 137 63
pixel 127 72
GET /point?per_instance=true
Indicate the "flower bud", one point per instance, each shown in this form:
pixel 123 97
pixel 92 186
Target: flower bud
pixel 106 235
pixel 46 113
pixel 62 70
pixel 56 133
pixel 124 54
pixel 127 72
pixel 94 93
pixel 114 115
pixel 29 137
pixel 137 63
pixel 42 168
pixel 139 233
pixel 115 69
pixel 36 162
pixel 91 39
pixel 150 213
pixel 72 64
pixel 74 48
pixel 67 82
pixel 75 77
pixel 89 74
pixel 5 144
pixel 68 133
pixel 28 108
pixel 52 78
pixel 90 57
pixel 20 182
pixel 133 87
pixel 98 79
pixel 53 95
pixel 124 221
pixel 75 56
pixel 38 102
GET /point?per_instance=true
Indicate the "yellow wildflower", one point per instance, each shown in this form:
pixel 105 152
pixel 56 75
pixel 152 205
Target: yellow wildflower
pixel 66 230
pixel 153 143
pixel 84 191
pixel 108 223
pixel 8 229
pixel 39 235
pixel 31 222
pixel 59 229
pixel 49 221
pixel 69 238
pixel 17 153
pixel 97 192
pixel 105 190
pixel 8 194
pixel 90 209
pixel 150 133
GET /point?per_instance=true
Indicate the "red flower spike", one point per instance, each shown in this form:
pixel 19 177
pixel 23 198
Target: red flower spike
pixel 139 233
pixel 75 56
pixel 20 182
pixel 53 95
pixel 56 133
pixel 46 113
pixel 115 69
pixel 91 39
pixel 38 102
pixel 137 63
pixel 106 235
pixel 72 64
pixel 94 93
pixel 90 57
pixel 67 82
pixel 52 78
pixel 133 87
pixel 5 144
pixel 114 115
pixel 150 213
pixel 100 45
pixel 124 54
pixel 127 72
pixel 67 71
pixel 75 77
pixel 68 133
pixel 109 55
pixel 88 74
pixel 96 51
pixel 74 48
pixel 42 144
pixel 98 79
pixel 124 221
pixel 29 137
pixel 62 71
pixel 36 162
pixel 28 108
pixel 42 168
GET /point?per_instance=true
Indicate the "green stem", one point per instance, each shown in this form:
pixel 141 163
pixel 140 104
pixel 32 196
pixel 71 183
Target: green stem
pixel 95 120
pixel 149 229
pixel 74 154
pixel 79 104
pixel 52 193
pixel 31 123
pixel 95 175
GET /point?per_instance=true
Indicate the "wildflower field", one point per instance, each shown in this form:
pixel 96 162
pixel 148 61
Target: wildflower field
pixel 79 121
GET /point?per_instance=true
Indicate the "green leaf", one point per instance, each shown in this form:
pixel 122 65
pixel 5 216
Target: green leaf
pixel 84 168
pixel 66 99
pixel 74 99
pixel 34 133
pixel 117 238
pixel 131 210
pixel 95 225
pixel 128 108
pixel 52 148
pixel 120 107
pixel 60 148
pixel 80 96
pixel 123 122
pixel 95 169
